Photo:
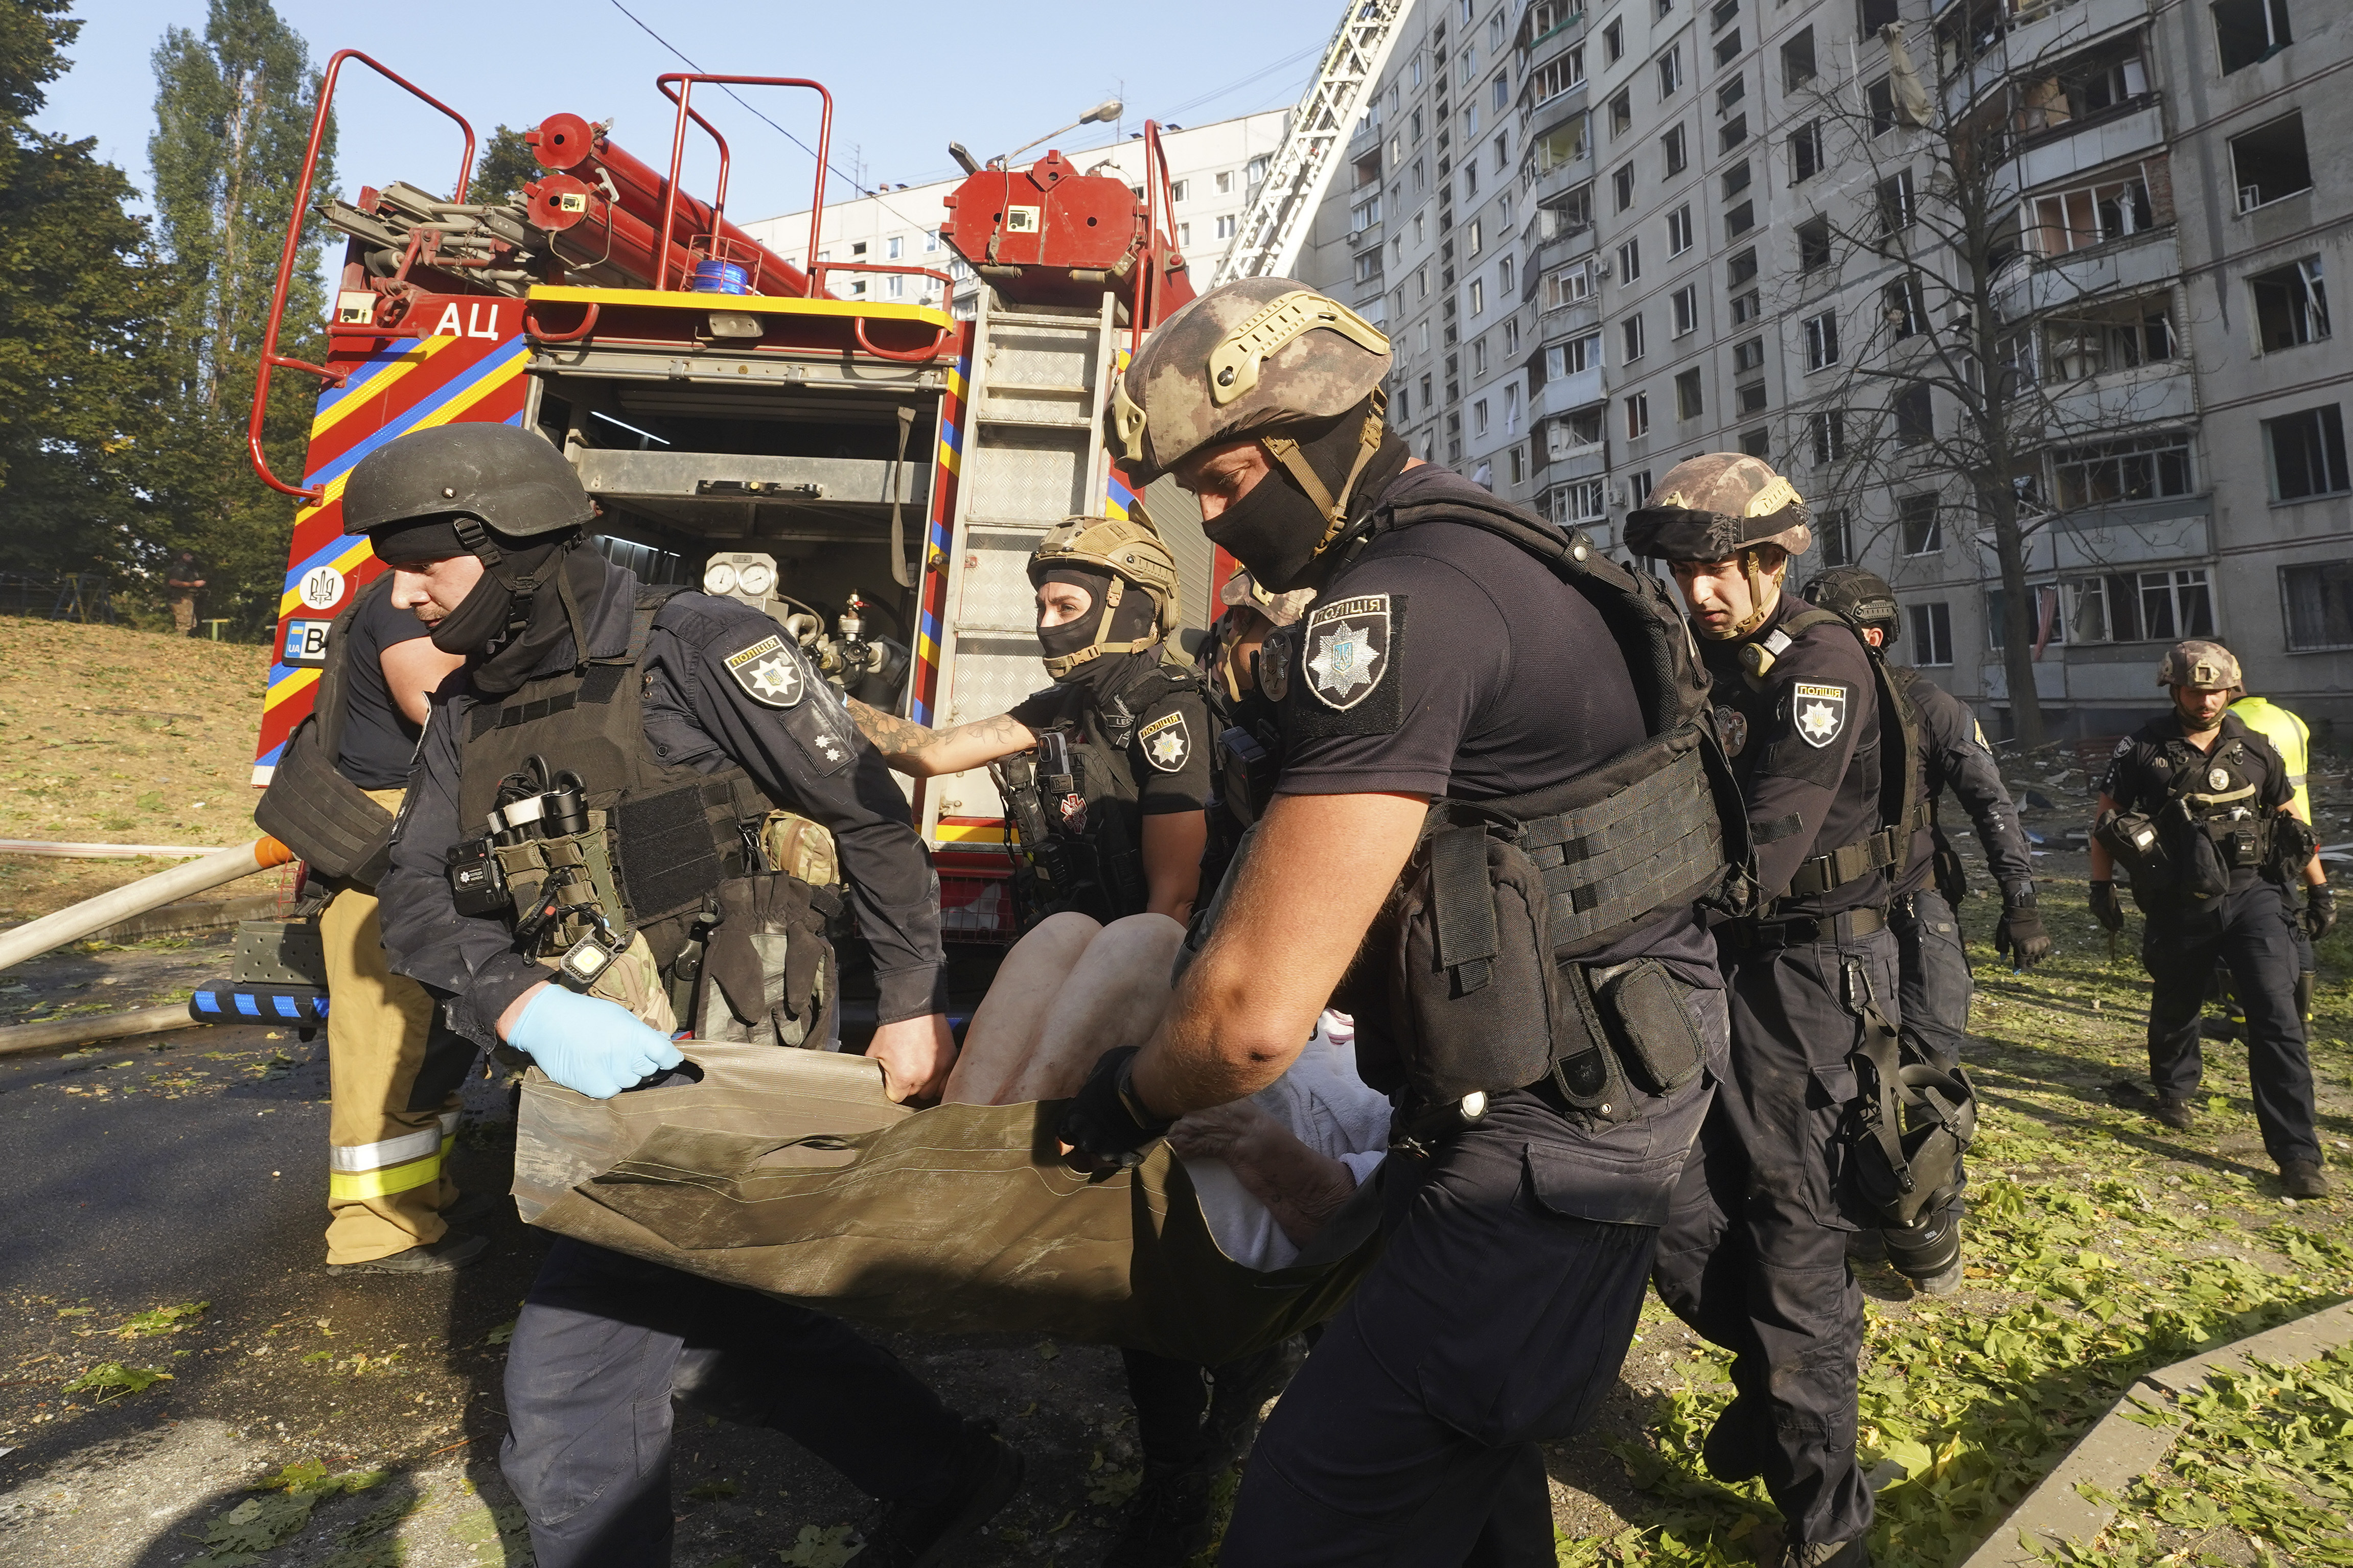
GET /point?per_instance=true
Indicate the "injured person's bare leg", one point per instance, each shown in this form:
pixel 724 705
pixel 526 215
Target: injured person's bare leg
pixel 1114 996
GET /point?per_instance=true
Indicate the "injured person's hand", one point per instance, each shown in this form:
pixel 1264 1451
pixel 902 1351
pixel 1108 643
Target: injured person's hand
pixel 1302 1188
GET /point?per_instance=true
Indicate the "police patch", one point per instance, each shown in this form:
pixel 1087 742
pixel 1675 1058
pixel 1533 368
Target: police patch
pixel 1818 711
pixel 1732 728
pixel 769 673
pixel 1168 743
pixel 1346 651
pixel 1274 664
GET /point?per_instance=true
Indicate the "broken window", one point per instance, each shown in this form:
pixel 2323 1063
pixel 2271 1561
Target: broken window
pixel 2081 88
pixel 1907 312
pixel 1735 179
pixel 1932 632
pixel 1813 244
pixel 1687 396
pixel 2143 468
pixel 1797 61
pixel 1621 114
pixel 2269 162
pixel 1566 213
pixel 2247 32
pixel 1740 268
pixel 1828 432
pixel 1806 159
pixel 2291 305
pixel 2091 215
pixel 1558 75
pixel 1831 532
pixel 1747 355
pixel 2122 335
pixel 1895 203
pixel 1914 416
pixel 2307 452
pixel 1882 96
pixel 1671 143
pixel 1924 527
pixel 2319 599
pixel 1821 340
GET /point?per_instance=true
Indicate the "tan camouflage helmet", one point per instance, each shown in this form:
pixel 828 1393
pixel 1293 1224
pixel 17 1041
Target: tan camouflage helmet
pixel 2201 663
pixel 1281 609
pixel 1714 506
pixel 1717 506
pixel 1249 357
pixel 1134 554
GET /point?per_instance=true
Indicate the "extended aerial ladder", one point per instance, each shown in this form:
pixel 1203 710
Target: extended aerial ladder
pixel 1272 231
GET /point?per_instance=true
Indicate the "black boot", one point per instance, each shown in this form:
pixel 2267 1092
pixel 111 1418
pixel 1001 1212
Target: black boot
pixel 900 1534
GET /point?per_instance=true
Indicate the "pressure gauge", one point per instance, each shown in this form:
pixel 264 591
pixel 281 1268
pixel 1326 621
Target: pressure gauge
pixel 719 578
pixel 755 579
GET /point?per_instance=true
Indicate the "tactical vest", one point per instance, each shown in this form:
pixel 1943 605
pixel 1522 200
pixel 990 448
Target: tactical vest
pixel 1471 983
pixel 676 833
pixel 1902 810
pixel 1080 835
pixel 2211 823
pixel 310 807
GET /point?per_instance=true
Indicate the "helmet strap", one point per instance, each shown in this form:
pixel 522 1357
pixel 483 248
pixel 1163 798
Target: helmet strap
pixel 1759 605
pixel 1284 450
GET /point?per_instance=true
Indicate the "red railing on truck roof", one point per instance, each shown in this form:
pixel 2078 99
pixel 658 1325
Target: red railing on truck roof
pixel 719 234
pixel 270 358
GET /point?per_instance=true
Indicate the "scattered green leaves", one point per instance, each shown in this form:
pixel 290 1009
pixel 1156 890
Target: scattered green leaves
pixel 815 1548
pixel 161 1320
pixel 109 1378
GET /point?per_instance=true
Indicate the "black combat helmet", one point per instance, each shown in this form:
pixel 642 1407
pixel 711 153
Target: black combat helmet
pixel 511 480
pixel 1860 596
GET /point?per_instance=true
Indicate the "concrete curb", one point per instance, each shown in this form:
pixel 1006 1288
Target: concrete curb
pixel 2116 1451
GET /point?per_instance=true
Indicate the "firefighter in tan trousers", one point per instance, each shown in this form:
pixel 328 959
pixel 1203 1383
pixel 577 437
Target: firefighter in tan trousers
pixel 394 1067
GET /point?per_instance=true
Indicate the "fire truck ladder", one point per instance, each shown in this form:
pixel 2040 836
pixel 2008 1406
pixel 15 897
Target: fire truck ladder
pixel 1033 454
pixel 1273 230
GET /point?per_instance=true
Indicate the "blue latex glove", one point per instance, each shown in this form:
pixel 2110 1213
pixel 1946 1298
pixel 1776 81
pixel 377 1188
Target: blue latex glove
pixel 588 1045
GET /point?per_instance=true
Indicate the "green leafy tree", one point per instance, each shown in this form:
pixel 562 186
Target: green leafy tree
pixel 232 118
pixel 82 301
pixel 506 167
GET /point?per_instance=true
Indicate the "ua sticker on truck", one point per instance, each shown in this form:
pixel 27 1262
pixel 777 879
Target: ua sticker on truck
pixel 769 673
pixel 1168 743
pixel 1819 710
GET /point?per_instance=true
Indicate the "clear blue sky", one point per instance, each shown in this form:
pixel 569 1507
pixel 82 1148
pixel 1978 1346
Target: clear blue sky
pixel 906 77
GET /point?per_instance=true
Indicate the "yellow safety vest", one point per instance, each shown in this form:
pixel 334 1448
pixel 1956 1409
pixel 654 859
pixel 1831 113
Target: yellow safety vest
pixel 2289 738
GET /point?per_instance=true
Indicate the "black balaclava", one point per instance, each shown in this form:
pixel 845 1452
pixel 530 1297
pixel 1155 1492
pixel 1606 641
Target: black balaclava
pixel 509 615
pixel 1277 530
pixel 1133 617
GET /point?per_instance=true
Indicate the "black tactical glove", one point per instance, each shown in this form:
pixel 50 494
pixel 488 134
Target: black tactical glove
pixel 2105 909
pixel 2319 911
pixel 2020 937
pixel 1106 1121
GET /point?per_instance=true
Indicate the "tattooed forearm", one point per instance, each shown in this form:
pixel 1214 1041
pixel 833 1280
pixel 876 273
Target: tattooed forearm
pixel 923 752
pixel 893 736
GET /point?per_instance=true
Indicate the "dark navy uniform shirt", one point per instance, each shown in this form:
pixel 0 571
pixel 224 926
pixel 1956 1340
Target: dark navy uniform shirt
pixel 809 756
pixel 1445 660
pixel 1804 742
pixel 1954 754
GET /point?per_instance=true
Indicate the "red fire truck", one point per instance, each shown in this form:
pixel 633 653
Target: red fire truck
pixel 872 473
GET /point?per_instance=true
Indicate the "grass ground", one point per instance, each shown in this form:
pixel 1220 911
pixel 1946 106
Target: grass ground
pixel 2101 1245
pixel 110 735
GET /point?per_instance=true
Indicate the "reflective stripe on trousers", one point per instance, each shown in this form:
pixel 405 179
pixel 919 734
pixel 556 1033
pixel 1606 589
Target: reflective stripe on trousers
pixel 392 1166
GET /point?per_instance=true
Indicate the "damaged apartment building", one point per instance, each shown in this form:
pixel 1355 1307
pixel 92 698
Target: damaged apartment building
pixel 2052 273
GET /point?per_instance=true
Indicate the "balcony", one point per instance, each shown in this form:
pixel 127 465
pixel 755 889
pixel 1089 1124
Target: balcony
pixel 2092 142
pixel 1540 256
pixel 2123 264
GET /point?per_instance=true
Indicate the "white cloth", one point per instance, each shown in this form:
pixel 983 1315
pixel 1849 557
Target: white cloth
pixel 1327 1107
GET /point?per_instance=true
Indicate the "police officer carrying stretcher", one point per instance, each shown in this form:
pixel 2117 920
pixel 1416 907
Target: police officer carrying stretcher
pixel 1485 839
pixel 2199 808
pixel 1754 1256
pixel 627 739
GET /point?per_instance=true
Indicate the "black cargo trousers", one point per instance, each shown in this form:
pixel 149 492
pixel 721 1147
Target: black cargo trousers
pixel 1496 1319
pixel 2252 931
pixel 1753 1253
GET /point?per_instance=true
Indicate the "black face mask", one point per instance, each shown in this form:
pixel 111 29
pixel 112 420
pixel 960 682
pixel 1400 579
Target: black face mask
pixel 1132 619
pixel 1275 529
pixel 523 607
